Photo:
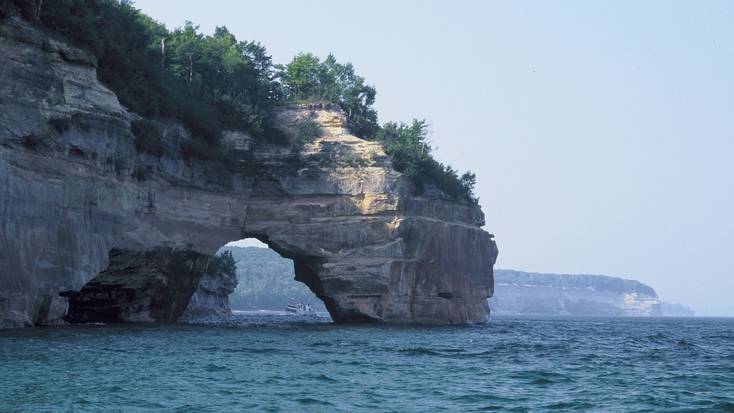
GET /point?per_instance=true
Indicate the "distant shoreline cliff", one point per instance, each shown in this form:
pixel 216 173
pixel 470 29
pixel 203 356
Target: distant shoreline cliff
pixel 266 282
pixel 527 293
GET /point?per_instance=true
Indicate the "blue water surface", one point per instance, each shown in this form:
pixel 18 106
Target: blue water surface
pixel 285 363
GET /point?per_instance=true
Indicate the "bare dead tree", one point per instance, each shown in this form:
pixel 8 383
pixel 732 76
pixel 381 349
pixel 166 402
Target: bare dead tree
pixel 191 67
pixel 163 55
pixel 38 9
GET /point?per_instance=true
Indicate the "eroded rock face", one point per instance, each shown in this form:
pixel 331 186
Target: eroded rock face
pixel 139 286
pixel 360 241
pixel 210 301
pixel 73 188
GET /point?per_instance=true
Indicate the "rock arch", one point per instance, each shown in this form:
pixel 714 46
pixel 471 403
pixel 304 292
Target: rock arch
pixel 360 238
pixel 364 247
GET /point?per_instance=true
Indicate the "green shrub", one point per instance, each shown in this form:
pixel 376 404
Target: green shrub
pixel 222 263
pixel 197 149
pixel 208 82
pixel 194 149
pixel 410 152
pixel 148 137
pixel 215 82
pixel 354 160
pixel 306 132
pixel 308 79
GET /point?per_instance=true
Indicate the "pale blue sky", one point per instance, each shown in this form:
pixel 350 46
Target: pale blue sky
pixel 601 132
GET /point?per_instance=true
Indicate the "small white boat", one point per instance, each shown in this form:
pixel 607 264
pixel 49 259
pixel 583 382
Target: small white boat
pixel 299 308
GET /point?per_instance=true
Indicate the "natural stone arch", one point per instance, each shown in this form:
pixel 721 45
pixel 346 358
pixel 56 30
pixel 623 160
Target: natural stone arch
pixel 359 236
pixel 365 246
pixel 368 247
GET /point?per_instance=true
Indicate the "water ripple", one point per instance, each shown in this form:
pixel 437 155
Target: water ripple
pixel 291 364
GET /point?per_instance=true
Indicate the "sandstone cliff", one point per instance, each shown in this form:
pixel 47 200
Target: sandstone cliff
pixel 139 286
pixel 73 188
pixel 525 293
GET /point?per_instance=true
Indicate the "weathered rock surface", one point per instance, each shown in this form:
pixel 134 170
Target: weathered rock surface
pixel 210 302
pixel 73 189
pixel 139 286
pixel 525 293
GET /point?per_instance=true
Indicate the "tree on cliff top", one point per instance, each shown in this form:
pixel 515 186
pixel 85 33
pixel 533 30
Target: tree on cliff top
pixel 410 151
pixel 214 82
pixel 208 82
pixel 308 79
pixel 223 263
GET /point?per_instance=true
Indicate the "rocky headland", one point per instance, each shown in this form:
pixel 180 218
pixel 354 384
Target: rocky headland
pixel 526 293
pixel 89 220
pixel 266 282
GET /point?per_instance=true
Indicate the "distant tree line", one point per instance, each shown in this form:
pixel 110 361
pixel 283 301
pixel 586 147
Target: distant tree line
pixel 215 82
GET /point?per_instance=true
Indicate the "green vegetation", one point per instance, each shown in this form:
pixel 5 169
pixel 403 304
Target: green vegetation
pixel 408 147
pixel 207 82
pixel 307 79
pixel 215 82
pixel 148 137
pixel 354 160
pixel 222 263
pixel 306 132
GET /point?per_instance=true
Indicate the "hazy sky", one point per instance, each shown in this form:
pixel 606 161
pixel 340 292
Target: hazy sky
pixel 601 132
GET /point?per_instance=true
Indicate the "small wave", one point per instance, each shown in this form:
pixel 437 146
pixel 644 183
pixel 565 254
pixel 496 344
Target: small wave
pixel 266 350
pixel 725 407
pixel 479 397
pixel 685 343
pixel 311 401
pixel 321 344
pixel 350 362
pixel 417 351
pixel 430 351
pixel 541 377
pixel 657 337
pixel 215 367
pixel 324 377
pixel 568 406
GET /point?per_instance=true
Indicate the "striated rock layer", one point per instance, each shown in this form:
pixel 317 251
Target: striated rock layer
pixel 73 189
pixel 527 293
pixel 210 301
pixel 139 286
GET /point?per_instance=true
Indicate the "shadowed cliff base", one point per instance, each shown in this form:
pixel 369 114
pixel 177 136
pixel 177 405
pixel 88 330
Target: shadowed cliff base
pixel 161 285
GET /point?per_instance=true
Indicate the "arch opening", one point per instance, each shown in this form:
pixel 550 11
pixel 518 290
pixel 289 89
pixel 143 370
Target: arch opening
pixel 266 281
pixel 166 285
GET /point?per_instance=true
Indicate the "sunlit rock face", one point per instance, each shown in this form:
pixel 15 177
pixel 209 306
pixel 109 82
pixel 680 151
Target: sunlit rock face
pixel 360 241
pixel 73 189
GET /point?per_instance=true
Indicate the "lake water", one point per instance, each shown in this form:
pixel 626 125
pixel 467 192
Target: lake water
pixel 271 362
